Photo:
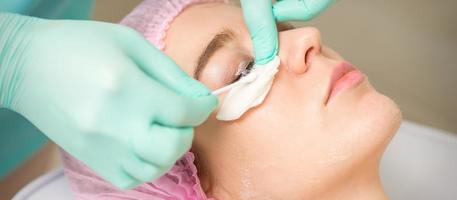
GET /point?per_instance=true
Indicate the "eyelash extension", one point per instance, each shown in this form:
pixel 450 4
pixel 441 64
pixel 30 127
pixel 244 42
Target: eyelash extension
pixel 244 70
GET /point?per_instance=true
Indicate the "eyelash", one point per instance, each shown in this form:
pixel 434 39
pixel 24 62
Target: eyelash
pixel 243 70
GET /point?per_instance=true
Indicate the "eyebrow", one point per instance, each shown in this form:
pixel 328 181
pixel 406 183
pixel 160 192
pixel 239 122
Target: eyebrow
pixel 218 41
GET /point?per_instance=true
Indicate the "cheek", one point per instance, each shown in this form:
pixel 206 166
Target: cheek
pixel 292 100
pixel 330 53
pixel 290 116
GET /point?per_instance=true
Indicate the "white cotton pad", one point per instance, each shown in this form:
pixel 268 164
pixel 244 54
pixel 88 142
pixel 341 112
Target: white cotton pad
pixel 247 92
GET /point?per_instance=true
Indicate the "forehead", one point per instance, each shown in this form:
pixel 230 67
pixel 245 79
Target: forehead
pixel 193 29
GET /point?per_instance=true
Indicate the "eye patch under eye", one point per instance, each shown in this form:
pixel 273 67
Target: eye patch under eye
pixel 247 92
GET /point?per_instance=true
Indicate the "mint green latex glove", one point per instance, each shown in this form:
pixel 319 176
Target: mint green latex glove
pixel 261 16
pixel 102 93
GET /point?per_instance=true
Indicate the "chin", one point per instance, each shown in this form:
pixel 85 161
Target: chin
pixel 380 110
pixel 389 113
pixel 381 123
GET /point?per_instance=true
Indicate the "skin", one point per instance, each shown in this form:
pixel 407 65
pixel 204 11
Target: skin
pixel 294 145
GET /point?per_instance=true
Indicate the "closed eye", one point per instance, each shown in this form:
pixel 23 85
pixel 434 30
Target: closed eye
pixel 243 70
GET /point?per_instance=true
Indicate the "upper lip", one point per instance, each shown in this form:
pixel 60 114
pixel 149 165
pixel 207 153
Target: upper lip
pixel 337 73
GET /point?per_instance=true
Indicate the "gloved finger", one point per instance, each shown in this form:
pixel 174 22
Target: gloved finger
pixel 141 170
pixel 184 111
pixel 258 15
pixel 166 107
pixel 163 69
pixel 299 10
pixel 162 146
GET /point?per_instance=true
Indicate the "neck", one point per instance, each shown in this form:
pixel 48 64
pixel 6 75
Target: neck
pixel 363 186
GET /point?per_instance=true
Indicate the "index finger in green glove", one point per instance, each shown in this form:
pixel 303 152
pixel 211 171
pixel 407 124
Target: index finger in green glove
pixel 170 108
pixel 259 18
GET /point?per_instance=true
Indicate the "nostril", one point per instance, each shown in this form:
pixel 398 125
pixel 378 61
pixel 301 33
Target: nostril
pixel 308 55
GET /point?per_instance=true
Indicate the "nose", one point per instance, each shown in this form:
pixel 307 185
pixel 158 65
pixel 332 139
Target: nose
pixel 298 47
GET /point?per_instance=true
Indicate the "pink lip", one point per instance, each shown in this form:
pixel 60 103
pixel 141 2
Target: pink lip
pixel 344 76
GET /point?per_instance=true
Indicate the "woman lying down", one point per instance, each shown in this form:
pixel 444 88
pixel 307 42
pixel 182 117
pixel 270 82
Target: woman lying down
pixel 319 133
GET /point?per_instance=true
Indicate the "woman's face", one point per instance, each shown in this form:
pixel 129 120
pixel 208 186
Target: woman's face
pixel 297 139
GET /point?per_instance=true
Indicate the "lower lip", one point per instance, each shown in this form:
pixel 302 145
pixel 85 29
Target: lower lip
pixel 349 80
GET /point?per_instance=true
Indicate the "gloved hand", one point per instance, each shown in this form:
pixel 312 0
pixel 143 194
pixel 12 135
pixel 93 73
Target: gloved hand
pixel 102 93
pixel 260 17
